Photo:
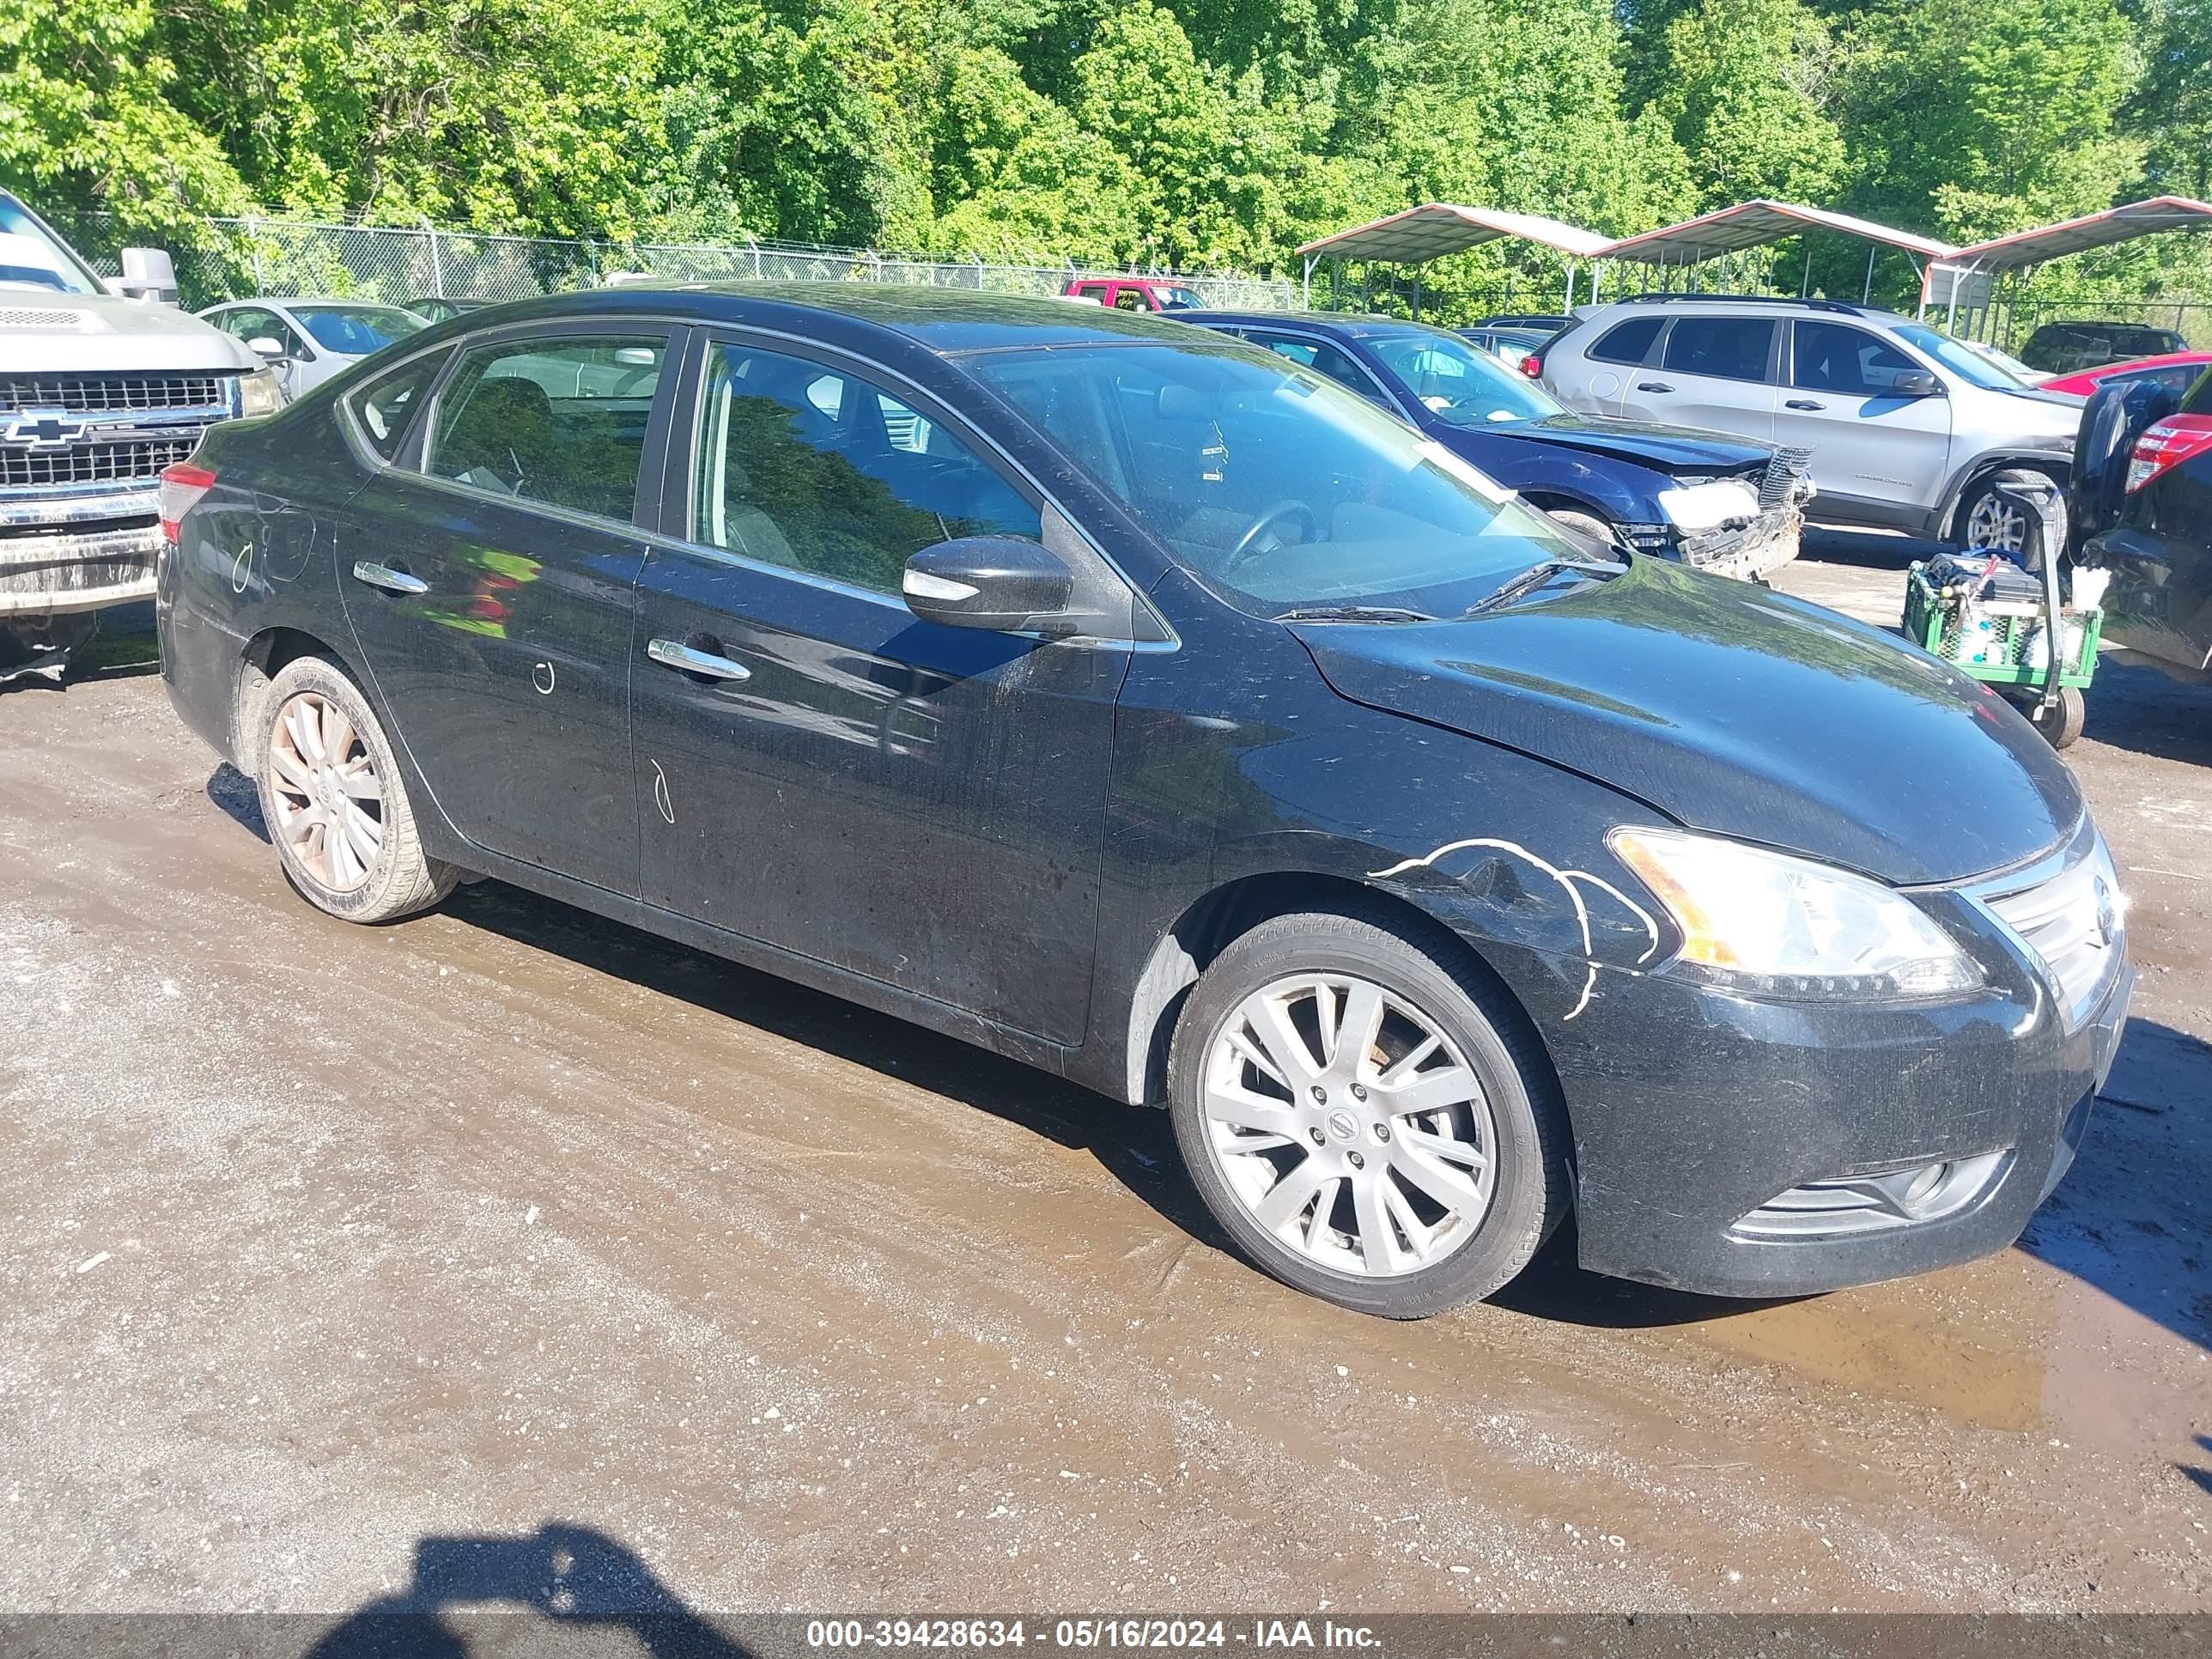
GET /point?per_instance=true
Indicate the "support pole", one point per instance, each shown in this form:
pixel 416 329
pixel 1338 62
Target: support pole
pixel 1417 294
pixel 1570 306
pixel 1867 294
pixel 1305 288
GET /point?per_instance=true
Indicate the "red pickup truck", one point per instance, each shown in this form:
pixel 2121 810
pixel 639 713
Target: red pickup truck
pixel 1134 293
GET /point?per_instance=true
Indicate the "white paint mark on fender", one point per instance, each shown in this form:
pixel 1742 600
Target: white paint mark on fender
pixel 241 567
pixel 541 675
pixel 1566 880
pixel 660 793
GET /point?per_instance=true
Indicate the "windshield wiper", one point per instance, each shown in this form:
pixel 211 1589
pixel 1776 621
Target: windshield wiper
pixel 1535 576
pixel 1358 613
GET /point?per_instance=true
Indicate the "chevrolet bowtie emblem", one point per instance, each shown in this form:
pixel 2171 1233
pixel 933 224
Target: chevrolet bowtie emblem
pixel 43 428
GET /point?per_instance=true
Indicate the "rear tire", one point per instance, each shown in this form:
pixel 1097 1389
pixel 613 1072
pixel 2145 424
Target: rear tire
pixel 1408 1161
pixel 332 799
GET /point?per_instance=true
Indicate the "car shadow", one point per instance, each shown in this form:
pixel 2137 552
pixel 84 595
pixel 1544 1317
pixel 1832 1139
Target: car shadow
pixel 2202 1477
pixel 1867 549
pixel 480 1587
pixel 239 799
pixel 1133 1145
pixel 2134 704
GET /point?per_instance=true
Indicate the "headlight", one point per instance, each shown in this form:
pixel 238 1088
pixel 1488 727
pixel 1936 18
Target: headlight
pixel 258 392
pixel 1708 506
pixel 1769 925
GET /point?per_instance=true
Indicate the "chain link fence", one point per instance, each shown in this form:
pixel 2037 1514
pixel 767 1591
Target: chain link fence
pixel 220 259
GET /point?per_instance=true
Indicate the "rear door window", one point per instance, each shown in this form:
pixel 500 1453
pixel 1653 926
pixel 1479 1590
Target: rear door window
pixel 1322 358
pixel 1722 348
pixel 1628 342
pixel 560 420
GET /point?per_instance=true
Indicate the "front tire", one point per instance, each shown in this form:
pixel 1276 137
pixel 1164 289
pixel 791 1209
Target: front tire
pixel 333 802
pixel 1988 523
pixel 1368 1118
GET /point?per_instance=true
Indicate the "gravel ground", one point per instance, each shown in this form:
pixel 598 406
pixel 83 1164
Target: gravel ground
pixel 330 1257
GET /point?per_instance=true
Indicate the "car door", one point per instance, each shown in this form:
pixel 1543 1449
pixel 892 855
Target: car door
pixel 1868 441
pixel 818 768
pixel 1715 371
pixel 489 578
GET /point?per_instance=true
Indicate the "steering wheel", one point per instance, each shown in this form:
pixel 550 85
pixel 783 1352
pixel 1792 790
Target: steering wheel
pixel 1246 548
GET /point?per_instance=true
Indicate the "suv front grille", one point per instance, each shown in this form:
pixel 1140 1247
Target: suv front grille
pixel 94 463
pixel 2075 924
pixel 112 394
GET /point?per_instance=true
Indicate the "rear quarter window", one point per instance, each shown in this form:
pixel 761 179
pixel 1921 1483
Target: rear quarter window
pixel 1627 343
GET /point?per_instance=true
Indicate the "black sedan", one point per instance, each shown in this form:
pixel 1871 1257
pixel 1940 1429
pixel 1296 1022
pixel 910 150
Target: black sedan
pixel 2159 550
pixel 1726 505
pixel 1120 697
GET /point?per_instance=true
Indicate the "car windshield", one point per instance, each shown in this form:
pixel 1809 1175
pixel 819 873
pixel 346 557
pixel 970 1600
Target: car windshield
pixel 1278 489
pixel 31 256
pixel 1961 359
pixel 356 331
pixel 1460 383
pixel 2005 361
pixel 1176 299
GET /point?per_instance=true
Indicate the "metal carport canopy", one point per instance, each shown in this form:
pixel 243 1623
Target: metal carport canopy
pixel 2119 224
pixel 1755 224
pixel 1436 228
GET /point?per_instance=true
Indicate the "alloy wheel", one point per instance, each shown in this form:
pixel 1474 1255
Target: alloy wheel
pixel 329 800
pixel 1996 525
pixel 1349 1125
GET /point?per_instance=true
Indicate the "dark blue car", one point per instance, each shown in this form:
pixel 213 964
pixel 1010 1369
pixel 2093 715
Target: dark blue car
pixel 1723 504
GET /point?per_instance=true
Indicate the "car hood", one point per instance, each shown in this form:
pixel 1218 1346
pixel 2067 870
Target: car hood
pixel 1673 450
pixel 45 332
pixel 1735 710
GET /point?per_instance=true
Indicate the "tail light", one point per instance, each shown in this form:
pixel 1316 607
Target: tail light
pixel 182 486
pixel 2166 444
pixel 1532 367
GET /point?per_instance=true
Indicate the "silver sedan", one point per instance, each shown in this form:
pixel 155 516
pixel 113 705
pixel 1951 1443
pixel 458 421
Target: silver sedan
pixel 309 341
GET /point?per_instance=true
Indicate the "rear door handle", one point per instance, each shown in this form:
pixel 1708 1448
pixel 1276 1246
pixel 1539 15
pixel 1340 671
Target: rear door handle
pixel 1653 386
pixel 1802 403
pixel 390 581
pixel 674 654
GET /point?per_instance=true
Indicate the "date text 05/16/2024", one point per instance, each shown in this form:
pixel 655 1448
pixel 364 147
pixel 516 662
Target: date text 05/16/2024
pixel 1085 1634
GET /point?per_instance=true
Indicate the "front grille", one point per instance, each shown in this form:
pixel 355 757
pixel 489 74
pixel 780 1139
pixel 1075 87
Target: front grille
pixel 94 463
pixel 2073 922
pixel 1781 476
pixel 112 394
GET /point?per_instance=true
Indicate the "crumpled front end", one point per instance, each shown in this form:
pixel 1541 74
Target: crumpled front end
pixel 1749 548
pixel 60 554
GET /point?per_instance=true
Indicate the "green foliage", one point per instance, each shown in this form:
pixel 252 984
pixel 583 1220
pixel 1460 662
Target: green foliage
pixel 1190 133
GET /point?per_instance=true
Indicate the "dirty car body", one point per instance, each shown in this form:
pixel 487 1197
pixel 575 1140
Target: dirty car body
pixel 1721 504
pixel 1291 693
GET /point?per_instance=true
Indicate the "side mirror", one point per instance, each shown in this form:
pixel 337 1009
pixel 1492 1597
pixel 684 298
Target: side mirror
pixel 1916 383
pixel 997 582
pixel 267 349
pixel 149 273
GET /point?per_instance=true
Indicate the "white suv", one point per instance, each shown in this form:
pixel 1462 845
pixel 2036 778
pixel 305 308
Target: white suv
pixel 1907 427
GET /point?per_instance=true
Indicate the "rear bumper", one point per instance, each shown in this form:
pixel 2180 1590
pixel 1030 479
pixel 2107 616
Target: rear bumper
pixel 2160 603
pixel 59 555
pixel 1749 551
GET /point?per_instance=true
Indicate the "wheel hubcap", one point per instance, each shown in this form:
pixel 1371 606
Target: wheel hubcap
pixel 330 801
pixel 1997 524
pixel 1349 1127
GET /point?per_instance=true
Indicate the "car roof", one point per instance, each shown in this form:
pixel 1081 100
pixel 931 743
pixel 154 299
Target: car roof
pixel 1349 325
pixel 1669 305
pixel 942 320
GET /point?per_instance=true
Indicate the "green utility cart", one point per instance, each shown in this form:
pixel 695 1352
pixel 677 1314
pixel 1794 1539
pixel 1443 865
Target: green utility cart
pixel 2011 629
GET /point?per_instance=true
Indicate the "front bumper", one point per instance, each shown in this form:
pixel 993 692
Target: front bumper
pixel 1738 1147
pixel 60 554
pixel 1747 552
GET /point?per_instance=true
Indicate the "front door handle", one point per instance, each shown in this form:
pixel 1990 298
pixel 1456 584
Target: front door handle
pixel 1653 386
pixel 390 581
pixel 674 654
pixel 1802 403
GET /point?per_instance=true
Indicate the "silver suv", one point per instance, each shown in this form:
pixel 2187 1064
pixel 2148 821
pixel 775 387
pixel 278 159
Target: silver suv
pixel 1908 428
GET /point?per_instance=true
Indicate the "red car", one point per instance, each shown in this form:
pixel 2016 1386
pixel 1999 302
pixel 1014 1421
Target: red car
pixel 1134 293
pixel 2176 369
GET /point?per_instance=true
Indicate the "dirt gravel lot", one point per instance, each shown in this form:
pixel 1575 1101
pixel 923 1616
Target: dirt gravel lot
pixel 324 1246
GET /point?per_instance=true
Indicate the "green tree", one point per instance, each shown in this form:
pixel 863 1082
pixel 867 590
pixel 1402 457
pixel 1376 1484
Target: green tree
pixel 1743 93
